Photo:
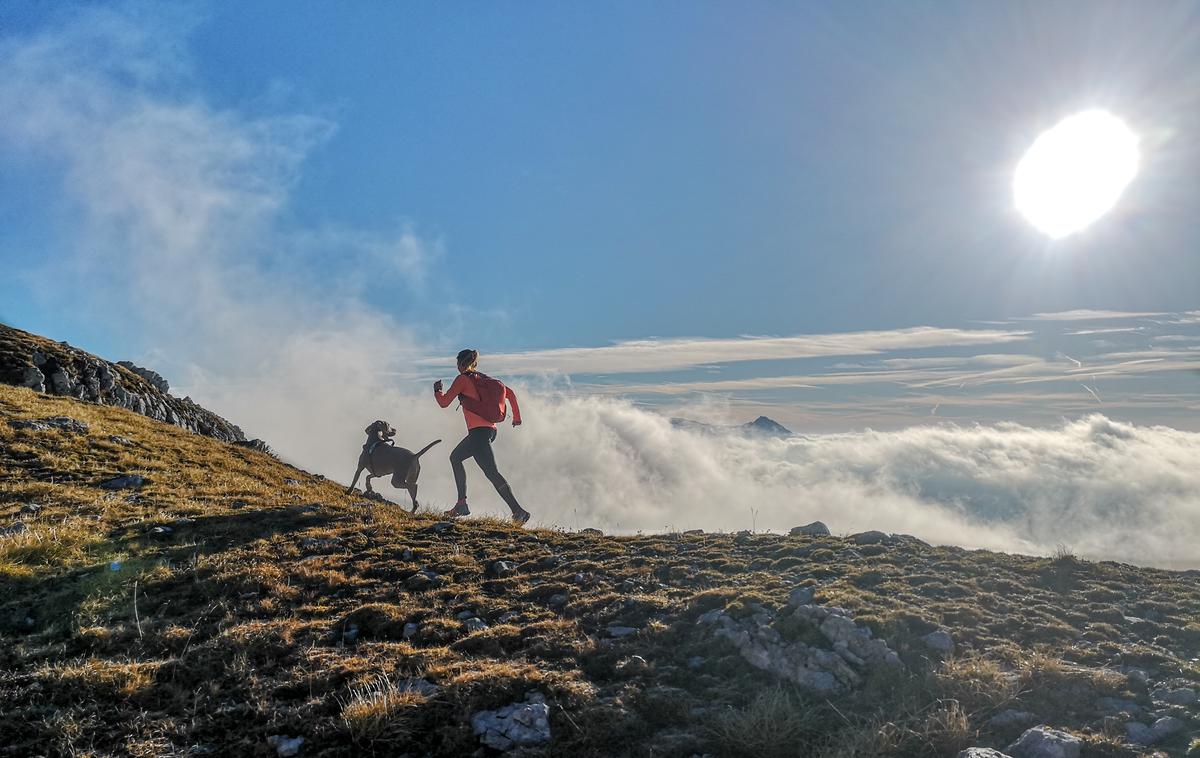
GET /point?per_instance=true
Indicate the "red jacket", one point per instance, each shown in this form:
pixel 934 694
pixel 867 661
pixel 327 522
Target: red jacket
pixel 464 386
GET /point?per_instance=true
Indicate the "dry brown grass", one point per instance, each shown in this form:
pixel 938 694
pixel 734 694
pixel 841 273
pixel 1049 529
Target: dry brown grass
pixel 239 629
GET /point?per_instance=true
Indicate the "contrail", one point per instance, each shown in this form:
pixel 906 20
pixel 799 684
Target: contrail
pixel 1078 364
pixel 935 407
pixel 1089 389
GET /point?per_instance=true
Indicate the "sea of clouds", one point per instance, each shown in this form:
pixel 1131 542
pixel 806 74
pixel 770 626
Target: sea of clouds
pixel 179 241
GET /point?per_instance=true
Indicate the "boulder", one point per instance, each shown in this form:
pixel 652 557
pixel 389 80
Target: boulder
pixel 1044 742
pixel 518 725
pixel 981 752
pixel 621 631
pixel 869 538
pixel 592 532
pixel 285 747
pixel 474 624
pixel 815 529
pixel 501 569
pixel 123 482
pixel 939 641
pixel 34 379
pixel 1177 696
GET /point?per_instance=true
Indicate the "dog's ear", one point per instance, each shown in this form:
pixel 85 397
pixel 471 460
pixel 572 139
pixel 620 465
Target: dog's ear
pixel 371 427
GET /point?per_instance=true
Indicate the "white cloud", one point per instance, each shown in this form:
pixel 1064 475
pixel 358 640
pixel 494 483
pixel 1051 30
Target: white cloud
pixel 642 356
pixel 1085 314
pixel 183 201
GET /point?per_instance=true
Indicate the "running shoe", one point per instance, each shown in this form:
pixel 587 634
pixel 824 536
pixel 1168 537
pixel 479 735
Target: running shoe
pixel 459 510
pixel 520 517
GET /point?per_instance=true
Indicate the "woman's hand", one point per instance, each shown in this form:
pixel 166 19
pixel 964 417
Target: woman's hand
pixel 437 386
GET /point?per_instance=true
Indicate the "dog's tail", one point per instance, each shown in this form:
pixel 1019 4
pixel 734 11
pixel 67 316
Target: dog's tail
pixel 422 451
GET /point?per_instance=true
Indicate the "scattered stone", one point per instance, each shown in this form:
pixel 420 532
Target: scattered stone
pixel 517 725
pixel 815 529
pixel 34 379
pixel 285 747
pixel 558 601
pixel 869 538
pixel 1166 726
pixel 30 509
pixel 474 624
pixel 291 482
pixel 1137 677
pixel 1178 696
pixel 908 539
pixel 628 586
pixel 440 527
pixel 407 554
pixel 36 426
pixel 119 440
pixel 1044 742
pixel 501 569
pixel 125 481
pixel 696 662
pixel 579 579
pixel 350 633
pixel 1111 706
pixel 506 617
pixel 632 666
pixel 410 631
pixel 693 532
pixel 464 615
pixel 422 580
pixel 801 596
pixel 1139 734
pixel 981 752
pixel 939 641
pixel 161 531
pixel 315 544
pixel 419 686
pixel 549 562
pixel 621 631
pixel 1011 717
pixel 592 532
pixel 17 527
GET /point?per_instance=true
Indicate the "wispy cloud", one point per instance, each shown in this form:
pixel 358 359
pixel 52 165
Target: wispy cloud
pixel 643 356
pixel 1084 314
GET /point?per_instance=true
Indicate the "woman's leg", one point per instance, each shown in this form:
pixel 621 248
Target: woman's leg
pixel 486 459
pixel 460 453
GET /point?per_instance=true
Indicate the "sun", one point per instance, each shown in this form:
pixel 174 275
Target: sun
pixel 1075 172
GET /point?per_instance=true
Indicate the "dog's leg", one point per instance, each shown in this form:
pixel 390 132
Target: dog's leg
pixel 412 492
pixel 354 481
pixel 367 482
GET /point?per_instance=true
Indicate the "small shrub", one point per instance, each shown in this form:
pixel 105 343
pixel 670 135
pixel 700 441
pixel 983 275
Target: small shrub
pixel 380 712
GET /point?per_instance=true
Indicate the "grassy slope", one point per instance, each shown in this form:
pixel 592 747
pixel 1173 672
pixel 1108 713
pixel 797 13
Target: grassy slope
pixel 228 629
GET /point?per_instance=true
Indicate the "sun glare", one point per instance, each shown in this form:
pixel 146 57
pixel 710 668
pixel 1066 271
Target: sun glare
pixel 1075 172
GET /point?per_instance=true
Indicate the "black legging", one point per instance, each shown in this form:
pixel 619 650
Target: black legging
pixel 478 445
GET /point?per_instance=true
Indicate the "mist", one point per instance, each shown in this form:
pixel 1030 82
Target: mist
pixel 182 248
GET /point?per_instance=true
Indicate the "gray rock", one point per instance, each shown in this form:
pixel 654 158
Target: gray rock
pixel 1139 734
pixel 549 562
pixel 17 527
pixel 30 509
pixel 696 662
pixel 156 380
pixel 34 379
pixel 422 580
pixel 37 426
pixel 285 747
pixel 117 439
pixel 592 532
pixel 419 686
pixel 558 601
pixel 801 596
pixel 60 382
pixel 815 529
pixel 869 538
pixel 475 624
pixel 939 641
pixel 506 617
pixel 1178 696
pixel 1044 742
pixel 350 633
pixel 1111 706
pixel 410 631
pixel 981 752
pixel 1010 718
pixel 631 666
pixel 125 481
pixel 500 569
pixel 693 532
pixel 518 725
pixel 1166 726
pixel 621 631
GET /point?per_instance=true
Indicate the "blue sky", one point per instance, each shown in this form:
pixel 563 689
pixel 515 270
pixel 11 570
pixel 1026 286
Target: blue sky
pixel 533 178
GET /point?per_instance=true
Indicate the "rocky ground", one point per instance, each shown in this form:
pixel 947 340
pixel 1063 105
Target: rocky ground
pixel 165 593
pixel 56 368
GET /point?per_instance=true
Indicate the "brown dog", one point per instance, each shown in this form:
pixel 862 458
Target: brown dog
pixel 380 458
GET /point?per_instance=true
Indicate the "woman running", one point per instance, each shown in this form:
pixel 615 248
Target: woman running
pixel 481 432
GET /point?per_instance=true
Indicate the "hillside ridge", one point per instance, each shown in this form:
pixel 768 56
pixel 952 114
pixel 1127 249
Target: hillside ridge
pixel 220 602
